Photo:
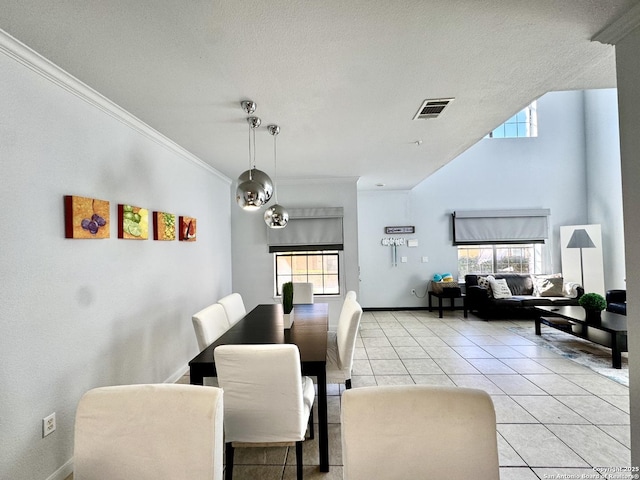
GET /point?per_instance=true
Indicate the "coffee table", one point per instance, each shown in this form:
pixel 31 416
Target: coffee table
pixel 610 331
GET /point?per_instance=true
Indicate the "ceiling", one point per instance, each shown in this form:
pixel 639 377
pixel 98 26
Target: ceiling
pixel 342 79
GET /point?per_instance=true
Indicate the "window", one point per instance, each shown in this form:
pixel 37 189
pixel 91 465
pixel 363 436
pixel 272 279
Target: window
pixel 521 125
pixel 517 258
pixel 320 268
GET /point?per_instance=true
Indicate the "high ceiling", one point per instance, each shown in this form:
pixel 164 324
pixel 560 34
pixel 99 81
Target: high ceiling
pixel 343 79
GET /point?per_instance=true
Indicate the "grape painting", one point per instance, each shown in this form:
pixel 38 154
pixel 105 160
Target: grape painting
pixel 86 217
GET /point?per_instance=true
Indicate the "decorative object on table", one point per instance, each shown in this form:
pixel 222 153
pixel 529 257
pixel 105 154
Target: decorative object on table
pixel 441 281
pixel 287 303
pixel 187 229
pixel 580 239
pixel 133 222
pixel 593 304
pixel 275 216
pixel 164 226
pixel 86 217
pixel 254 186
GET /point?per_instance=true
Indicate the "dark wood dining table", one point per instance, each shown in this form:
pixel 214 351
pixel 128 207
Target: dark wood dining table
pixel 264 325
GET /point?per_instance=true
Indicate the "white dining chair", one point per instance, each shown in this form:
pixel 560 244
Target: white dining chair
pixel 209 324
pixel 418 431
pixel 149 432
pixel 267 400
pixel 302 293
pixel 233 307
pixel 350 295
pixel 341 344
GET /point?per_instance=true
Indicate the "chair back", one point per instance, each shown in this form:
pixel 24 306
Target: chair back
pixel 348 324
pixel 262 393
pixel 233 307
pixel 302 293
pixel 350 295
pixel 149 432
pixel 448 432
pixel 209 324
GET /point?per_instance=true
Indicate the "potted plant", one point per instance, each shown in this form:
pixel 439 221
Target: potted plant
pixel 593 304
pixel 287 303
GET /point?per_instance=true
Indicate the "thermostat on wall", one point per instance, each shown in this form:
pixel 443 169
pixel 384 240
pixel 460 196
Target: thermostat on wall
pixel 410 229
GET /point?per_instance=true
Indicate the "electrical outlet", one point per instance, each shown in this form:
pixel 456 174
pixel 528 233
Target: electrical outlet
pixel 48 424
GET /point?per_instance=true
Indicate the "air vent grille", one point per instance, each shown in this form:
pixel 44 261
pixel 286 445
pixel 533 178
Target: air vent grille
pixel 432 108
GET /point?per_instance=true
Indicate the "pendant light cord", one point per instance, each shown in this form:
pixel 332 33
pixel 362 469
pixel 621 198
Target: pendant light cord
pixel 275 168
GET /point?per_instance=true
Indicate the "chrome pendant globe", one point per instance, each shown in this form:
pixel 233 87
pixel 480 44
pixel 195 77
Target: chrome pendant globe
pixel 260 177
pixel 276 216
pixel 250 195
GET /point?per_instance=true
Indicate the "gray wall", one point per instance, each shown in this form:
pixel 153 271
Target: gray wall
pixel 253 268
pixel 604 185
pixel 549 171
pixel 77 314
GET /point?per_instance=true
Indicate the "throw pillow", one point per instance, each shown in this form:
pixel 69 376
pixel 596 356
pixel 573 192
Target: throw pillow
pixel 539 282
pixel 550 287
pixel 484 282
pixel 570 289
pixel 500 288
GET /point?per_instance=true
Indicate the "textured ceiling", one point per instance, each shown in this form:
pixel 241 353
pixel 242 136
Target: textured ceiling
pixel 343 79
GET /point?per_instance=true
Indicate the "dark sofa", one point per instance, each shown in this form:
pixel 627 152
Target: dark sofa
pixel 616 301
pixel 522 302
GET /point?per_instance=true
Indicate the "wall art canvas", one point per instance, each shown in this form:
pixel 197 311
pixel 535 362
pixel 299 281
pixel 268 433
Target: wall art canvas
pixel 187 229
pixel 133 222
pixel 86 217
pixel 164 226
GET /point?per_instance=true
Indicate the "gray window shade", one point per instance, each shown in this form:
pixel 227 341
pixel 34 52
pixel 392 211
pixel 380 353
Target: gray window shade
pixel 500 226
pixel 308 229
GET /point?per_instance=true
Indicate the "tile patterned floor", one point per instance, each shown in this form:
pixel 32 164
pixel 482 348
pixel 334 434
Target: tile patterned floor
pixel 556 418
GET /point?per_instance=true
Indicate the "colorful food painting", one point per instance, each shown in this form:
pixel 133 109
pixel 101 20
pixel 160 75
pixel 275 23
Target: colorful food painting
pixel 86 217
pixel 187 229
pixel 164 226
pixel 133 222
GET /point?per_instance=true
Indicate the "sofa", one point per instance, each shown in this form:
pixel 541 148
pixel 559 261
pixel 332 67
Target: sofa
pixel 524 292
pixel 616 301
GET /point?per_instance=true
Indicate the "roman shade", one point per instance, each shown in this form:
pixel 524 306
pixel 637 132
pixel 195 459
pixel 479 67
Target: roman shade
pixel 500 226
pixel 309 229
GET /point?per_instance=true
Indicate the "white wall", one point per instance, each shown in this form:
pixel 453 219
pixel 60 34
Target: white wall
pixel 628 74
pixel 543 172
pixel 604 200
pixel 253 269
pixel 76 314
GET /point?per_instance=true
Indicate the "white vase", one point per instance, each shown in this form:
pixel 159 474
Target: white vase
pixel 288 320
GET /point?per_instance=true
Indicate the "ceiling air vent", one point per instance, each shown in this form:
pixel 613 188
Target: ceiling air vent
pixel 432 108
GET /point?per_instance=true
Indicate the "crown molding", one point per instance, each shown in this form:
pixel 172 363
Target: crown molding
pixel 620 28
pixel 29 58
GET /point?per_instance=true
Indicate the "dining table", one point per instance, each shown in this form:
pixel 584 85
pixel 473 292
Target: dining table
pixel 264 325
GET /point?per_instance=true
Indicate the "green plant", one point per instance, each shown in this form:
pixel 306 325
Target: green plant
pixel 592 301
pixel 287 297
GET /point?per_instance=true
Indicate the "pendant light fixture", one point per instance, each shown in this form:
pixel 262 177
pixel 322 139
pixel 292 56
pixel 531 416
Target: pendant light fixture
pixel 275 216
pixel 255 188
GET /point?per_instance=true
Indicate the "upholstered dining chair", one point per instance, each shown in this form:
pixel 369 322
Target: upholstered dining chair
pixel 149 432
pixel 266 398
pixel 209 324
pixel 341 344
pixel 233 307
pixel 350 295
pixel 418 431
pixel 302 293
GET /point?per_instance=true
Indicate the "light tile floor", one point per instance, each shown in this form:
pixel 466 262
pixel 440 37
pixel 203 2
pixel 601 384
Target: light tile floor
pixel 556 418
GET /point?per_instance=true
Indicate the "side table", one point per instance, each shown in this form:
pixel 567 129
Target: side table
pixel 451 294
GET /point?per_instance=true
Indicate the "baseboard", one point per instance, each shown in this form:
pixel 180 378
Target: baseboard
pixel 63 472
